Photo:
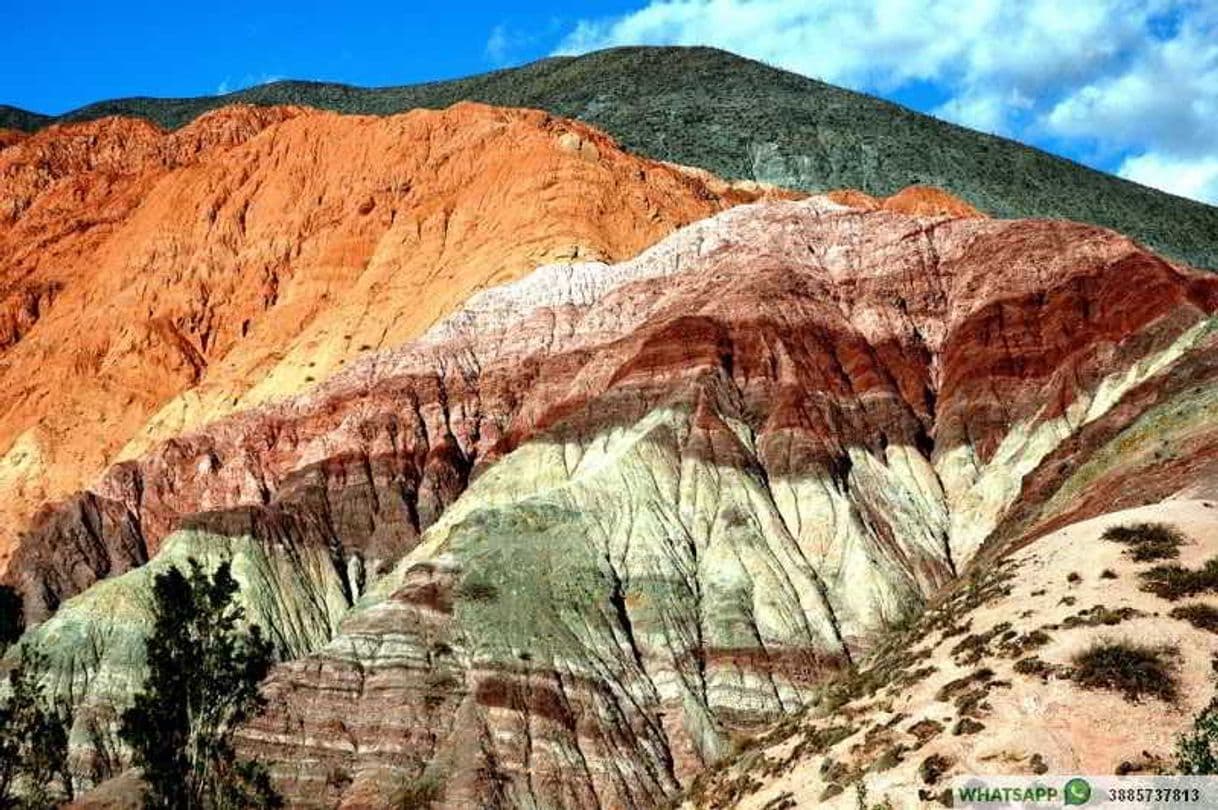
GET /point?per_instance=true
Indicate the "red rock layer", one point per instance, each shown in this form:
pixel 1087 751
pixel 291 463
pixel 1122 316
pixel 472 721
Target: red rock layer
pixel 891 342
pixel 150 281
pixel 925 333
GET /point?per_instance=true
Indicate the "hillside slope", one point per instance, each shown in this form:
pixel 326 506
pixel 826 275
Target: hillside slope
pixel 993 680
pixel 741 119
pixel 566 546
pixel 150 281
pixel 23 120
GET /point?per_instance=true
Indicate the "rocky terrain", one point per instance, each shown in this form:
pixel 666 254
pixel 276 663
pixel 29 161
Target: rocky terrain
pixel 150 281
pixel 581 537
pixel 563 472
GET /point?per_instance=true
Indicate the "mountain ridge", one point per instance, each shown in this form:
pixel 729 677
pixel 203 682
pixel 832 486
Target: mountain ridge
pixel 743 119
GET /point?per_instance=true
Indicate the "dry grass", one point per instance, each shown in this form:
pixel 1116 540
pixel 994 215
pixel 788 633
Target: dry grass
pixel 1147 542
pixel 1135 670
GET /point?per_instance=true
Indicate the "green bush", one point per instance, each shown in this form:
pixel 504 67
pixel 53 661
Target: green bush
pixel 1199 615
pixel 1174 581
pixel 1135 670
pixel 12 621
pixel 1147 541
pixel 33 741
pixel 1197 748
pixel 204 668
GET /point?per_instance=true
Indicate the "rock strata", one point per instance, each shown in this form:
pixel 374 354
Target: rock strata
pixel 152 281
pixel 599 522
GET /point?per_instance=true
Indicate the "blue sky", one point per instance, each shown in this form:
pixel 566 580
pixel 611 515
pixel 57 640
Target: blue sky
pixel 1129 86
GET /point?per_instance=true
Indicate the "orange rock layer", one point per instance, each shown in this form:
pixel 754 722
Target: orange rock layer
pixel 8 137
pixel 918 201
pixel 150 281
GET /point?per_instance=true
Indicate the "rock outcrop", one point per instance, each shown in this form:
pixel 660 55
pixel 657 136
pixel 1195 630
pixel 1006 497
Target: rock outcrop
pixel 150 281
pixel 602 519
pixel 920 201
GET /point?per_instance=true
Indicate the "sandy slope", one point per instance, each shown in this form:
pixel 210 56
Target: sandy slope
pixel 1070 729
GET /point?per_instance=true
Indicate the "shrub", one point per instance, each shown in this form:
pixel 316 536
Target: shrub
pixel 12 621
pixel 474 589
pixel 951 689
pixel 1033 666
pixel 1098 614
pixel 338 778
pixel 967 725
pixel 1147 541
pixel 933 767
pixel 1134 670
pixel 1197 748
pixel 889 759
pixel 1199 615
pixel 1174 582
pixel 926 729
pixel 33 740
pixel 419 793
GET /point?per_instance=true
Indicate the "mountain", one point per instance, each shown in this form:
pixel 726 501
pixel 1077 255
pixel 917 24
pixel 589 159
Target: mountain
pixel 742 119
pixel 600 526
pixel 562 476
pixel 150 281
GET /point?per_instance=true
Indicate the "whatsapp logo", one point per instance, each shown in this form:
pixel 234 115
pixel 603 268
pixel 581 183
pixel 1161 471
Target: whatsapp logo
pixel 1077 791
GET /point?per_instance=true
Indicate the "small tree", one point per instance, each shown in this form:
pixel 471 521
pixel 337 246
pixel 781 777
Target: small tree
pixel 203 674
pixel 1197 749
pixel 33 741
pixel 12 621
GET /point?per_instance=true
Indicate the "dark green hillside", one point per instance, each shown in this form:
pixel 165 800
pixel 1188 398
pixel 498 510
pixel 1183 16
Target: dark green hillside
pixel 17 118
pixel 740 118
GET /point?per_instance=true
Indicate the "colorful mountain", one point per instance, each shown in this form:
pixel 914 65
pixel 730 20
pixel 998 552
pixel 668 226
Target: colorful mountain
pixel 563 477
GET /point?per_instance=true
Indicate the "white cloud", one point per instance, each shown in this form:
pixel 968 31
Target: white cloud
pixel 1195 178
pixel 249 80
pixel 1120 75
pixel 497 45
pixel 1166 96
pixel 988 112
pixel 886 43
